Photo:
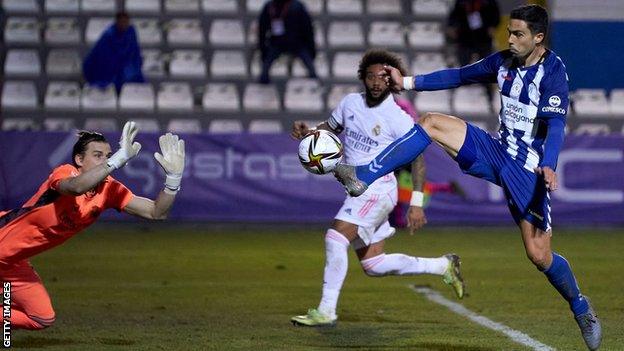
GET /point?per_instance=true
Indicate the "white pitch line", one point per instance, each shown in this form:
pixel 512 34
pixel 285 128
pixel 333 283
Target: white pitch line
pixel 513 334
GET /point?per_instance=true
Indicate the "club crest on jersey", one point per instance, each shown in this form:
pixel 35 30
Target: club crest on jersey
pixel 377 130
pixel 554 101
pixel 516 88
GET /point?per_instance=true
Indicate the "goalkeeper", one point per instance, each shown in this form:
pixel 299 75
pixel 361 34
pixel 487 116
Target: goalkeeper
pixel 70 200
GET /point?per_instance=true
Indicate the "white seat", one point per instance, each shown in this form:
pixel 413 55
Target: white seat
pixel 470 101
pixel 21 6
pixel 345 33
pixel 431 8
pixel 314 7
pixel 303 95
pixel 22 62
pixel 182 6
pixel 184 125
pixel 265 126
pixel 62 96
pixel 149 125
pixel 62 6
pixel 385 7
pixel 254 6
pixel 53 124
pixel 617 103
pixel 143 6
pixel 187 64
pixel 593 129
pixel 148 31
pixel 226 32
pixel 21 30
pixel 221 97
pixel 220 6
pixel 63 62
pixel 153 64
pixel 591 103
pixel 319 34
pixel 252 33
pixel 345 65
pixel 95 27
pixel 279 68
pixel 427 62
pixel 19 124
pixel 62 31
pixel 101 124
pixel 137 96
pixel 338 91
pixel 175 96
pixel 260 97
pixel 228 63
pixel 344 7
pixel 386 34
pixel 433 101
pixel 426 36
pixel 185 32
pixel 320 63
pixel 225 126
pixel 99 6
pixel 19 95
pixel 96 99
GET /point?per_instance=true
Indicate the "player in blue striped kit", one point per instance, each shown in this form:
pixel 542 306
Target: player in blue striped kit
pixel 534 100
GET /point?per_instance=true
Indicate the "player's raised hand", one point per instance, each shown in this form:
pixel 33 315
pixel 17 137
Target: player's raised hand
pixel 299 130
pixel 416 218
pixel 171 159
pixel 550 177
pixel 394 78
pixel 128 148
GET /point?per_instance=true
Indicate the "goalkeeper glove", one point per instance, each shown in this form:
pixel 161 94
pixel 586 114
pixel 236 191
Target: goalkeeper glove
pixel 171 159
pixel 128 148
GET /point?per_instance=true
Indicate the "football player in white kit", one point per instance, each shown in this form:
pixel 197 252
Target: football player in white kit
pixel 371 121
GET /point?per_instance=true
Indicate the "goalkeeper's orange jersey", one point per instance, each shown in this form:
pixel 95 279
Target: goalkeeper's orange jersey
pixel 49 218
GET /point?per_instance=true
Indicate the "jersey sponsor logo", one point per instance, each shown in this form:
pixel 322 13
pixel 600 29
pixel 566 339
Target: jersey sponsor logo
pixel 516 113
pixel 554 109
pixel 359 141
pixel 554 101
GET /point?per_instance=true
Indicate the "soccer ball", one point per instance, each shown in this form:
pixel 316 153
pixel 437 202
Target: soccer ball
pixel 320 151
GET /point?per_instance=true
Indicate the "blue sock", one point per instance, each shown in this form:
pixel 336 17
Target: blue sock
pixel 400 152
pixel 560 275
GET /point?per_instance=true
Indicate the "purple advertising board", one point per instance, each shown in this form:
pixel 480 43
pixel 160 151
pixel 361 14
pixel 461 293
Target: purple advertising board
pixel 258 178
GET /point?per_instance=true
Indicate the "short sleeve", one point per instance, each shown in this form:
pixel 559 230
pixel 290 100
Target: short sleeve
pixel 336 120
pixel 554 95
pixel 59 173
pixel 402 124
pixel 117 195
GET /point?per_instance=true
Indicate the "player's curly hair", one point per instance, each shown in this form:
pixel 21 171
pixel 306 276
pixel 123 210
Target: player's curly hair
pixel 84 138
pixel 380 56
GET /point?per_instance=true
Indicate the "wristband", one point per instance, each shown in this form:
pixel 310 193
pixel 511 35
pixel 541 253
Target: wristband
pixel 172 183
pixel 408 83
pixel 418 199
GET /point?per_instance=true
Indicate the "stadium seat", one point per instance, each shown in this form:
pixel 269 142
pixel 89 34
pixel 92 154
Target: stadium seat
pixel 143 6
pixel 225 126
pixel 254 6
pixel 19 124
pixel 62 62
pixel 279 69
pixel 149 125
pixel 591 103
pixel 345 65
pixel 592 129
pixel 52 124
pixel 226 32
pixel 184 125
pixel 470 101
pixel 338 91
pixel 21 30
pixel 303 94
pixel 62 96
pixel 185 32
pixel 175 96
pixel 433 101
pixel 96 99
pixel 252 33
pixel 228 63
pixel 30 7
pixel 314 7
pixel 386 34
pixel 19 95
pixel 427 62
pixel 220 6
pixel 260 97
pixel 187 64
pixel 344 7
pixel 95 27
pixel 345 34
pixel 426 36
pixel 62 32
pixel 153 64
pixel 385 7
pixel 98 6
pixel 148 31
pixel 22 62
pixel 617 103
pixel 102 125
pixel 265 126
pixel 320 63
pixel 182 6
pixel 53 7
pixel 221 97
pixel 431 8
pixel 137 96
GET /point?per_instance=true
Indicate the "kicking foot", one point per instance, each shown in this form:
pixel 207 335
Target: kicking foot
pixel 314 318
pixel 452 275
pixel 590 327
pixel 346 175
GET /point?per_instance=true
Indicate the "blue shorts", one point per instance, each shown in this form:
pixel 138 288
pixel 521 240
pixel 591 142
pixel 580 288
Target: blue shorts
pixel 485 157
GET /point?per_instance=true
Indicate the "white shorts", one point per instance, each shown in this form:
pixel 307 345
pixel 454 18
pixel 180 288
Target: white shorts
pixel 370 213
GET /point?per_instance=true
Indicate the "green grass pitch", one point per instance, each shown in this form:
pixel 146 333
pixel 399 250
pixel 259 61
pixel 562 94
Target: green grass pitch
pixel 193 287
